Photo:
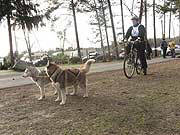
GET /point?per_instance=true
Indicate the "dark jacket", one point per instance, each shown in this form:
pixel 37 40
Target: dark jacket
pixel 164 44
pixel 142 33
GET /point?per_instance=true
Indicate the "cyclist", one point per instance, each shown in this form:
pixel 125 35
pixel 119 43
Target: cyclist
pixel 138 32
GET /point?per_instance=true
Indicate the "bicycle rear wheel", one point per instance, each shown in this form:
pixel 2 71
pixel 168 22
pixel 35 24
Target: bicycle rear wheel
pixel 129 66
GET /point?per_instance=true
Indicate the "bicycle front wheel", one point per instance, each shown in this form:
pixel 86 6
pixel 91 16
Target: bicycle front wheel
pixel 128 67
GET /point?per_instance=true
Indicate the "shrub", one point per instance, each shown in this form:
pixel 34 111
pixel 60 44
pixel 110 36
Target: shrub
pixel 1 66
pixel 7 63
pixel 61 59
pixel 75 60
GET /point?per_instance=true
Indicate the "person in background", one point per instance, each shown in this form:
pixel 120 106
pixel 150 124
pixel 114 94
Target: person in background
pixel 172 46
pixel 164 46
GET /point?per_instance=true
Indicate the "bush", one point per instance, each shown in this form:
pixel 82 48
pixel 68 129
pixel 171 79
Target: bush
pixel 7 64
pixel 61 59
pixel 75 60
pixel 1 66
pixel 21 65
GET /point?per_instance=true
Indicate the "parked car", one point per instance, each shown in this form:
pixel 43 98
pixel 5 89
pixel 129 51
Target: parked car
pixel 93 54
pixel 177 50
pixel 99 58
pixel 158 49
pixel 40 62
pixel 122 55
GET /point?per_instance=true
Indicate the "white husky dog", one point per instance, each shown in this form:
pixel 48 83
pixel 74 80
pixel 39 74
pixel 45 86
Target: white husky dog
pixel 40 78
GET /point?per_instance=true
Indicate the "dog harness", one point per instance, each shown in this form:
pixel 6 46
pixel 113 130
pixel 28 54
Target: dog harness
pixel 54 76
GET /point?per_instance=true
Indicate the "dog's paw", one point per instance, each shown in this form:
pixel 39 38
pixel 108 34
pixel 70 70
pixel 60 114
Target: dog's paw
pixel 55 93
pixel 58 99
pixel 41 98
pixel 62 103
pixel 72 94
pixel 85 96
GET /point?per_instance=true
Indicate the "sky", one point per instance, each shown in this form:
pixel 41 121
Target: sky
pixel 45 39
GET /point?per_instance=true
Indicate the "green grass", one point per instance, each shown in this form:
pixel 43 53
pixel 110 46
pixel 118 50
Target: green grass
pixel 7 72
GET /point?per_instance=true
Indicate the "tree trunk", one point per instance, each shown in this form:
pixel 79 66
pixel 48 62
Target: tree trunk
pixel 29 48
pixel 162 28
pixel 10 39
pixel 145 10
pixel 164 22
pixel 179 25
pixel 105 26
pixel 64 41
pixel 170 16
pixel 100 32
pixel 28 45
pixel 76 30
pixel 132 9
pixel 154 24
pixel 141 11
pixel 113 29
pixel 122 17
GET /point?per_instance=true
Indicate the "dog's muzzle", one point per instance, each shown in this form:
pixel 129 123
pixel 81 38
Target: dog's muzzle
pixel 25 76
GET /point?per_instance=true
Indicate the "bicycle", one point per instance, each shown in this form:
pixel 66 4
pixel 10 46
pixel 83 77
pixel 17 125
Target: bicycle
pixel 131 61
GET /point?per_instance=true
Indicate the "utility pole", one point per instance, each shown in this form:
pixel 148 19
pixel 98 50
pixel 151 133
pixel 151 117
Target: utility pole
pixel 113 29
pixel 76 30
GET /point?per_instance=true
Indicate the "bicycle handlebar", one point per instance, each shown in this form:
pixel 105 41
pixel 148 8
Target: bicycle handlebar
pixel 133 42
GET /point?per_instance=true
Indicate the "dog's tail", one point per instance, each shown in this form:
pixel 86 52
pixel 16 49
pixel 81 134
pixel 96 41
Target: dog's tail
pixel 86 67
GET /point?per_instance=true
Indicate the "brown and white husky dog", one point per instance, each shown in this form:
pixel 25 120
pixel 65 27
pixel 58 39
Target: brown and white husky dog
pixel 40 78
pixel 69 77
